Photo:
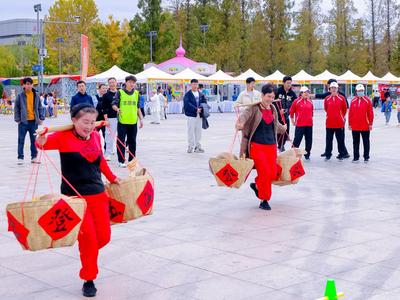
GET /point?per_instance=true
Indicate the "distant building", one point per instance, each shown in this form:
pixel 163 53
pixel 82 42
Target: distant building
pixel 17 30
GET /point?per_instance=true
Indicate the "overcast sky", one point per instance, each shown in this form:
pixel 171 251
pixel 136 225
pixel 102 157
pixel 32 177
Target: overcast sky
pixel 120 9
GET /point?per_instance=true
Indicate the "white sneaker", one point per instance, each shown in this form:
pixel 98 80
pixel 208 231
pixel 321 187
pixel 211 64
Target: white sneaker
pixel 122 165
pixel 107 158
pixel 190 150
pixel 20 161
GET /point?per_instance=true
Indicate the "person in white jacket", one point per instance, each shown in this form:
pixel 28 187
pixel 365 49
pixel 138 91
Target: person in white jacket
pixel 155 106
pixel 163 100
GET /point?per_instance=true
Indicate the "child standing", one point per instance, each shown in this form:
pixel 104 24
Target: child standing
pixel 387 109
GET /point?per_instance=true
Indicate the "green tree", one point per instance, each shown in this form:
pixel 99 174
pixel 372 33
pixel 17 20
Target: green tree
pixel 65 10
pixel 308 44
pixel 108 43
pixel 256 46
pixel 340 25
pixel 277 19
pixel 8 63
pixel 360 59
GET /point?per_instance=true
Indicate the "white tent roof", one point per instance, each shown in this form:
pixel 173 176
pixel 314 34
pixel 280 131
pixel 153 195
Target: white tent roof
pixel 221 76
pixel 249 73
pixel 389 77
pixel 114 71
pixel 370 77
pixel 324 76
pixel 153 73
pixel 302 76
pixel 277 76
pixel 348 76
pixel 189 74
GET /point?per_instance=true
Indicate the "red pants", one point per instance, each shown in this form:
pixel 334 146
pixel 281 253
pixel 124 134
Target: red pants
pixel 264 157
pixel 94 234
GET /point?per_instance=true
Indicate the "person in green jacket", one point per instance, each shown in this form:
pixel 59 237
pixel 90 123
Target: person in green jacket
pixel 126 104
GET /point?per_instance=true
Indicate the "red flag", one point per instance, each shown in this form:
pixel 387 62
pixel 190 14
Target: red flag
pixel 84 56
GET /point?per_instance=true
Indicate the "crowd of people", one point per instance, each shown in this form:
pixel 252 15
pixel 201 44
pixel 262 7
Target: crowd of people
pixel 264 119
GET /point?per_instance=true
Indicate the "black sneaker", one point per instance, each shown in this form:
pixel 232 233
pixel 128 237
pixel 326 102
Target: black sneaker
pixel 340 158
pixel 327 158
pixel 346 156
pixel 366 160
pixel 265 205
pixel 355 160
pixel 307 157
pixel 254 188
pixel 323 155
pixel 88 289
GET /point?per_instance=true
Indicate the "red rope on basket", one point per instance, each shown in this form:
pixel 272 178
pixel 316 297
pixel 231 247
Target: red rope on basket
pixel 114 136
pixel 36 175
pixel 236 136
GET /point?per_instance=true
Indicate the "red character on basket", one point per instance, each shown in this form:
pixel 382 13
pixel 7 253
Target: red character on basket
pixel 260 126
pixel 82 163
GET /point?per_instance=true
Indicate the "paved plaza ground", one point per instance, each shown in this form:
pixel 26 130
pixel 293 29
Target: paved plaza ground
pixel 341 221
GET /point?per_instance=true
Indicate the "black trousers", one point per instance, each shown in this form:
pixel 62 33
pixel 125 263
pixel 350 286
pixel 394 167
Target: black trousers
pixel 376 102
pixel 128 132
pixel 282 138
pixel 339 133
pixel 356 143
pixel 305 131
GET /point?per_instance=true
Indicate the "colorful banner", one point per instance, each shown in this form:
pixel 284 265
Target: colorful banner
pixel 84 56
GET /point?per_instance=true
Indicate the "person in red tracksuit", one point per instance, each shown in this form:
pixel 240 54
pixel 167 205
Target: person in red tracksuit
pixel 301 114
pixel 82 163
pixel 361 118
pixel 336 108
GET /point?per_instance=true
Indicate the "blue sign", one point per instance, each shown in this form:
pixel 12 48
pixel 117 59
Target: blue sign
pixel 36 68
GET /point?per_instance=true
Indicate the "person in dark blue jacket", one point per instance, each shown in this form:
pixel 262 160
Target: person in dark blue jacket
pixel 81 96
pixel 192 106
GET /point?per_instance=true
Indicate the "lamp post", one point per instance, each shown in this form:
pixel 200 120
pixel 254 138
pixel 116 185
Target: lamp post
pixel 42 51
pixel 204 29
pixel 38 8
pixel 151 34
pixel 59 40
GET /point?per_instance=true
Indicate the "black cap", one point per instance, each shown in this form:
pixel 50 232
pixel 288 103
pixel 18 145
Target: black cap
pixel 76 108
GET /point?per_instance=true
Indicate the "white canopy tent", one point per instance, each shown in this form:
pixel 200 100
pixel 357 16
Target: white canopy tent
pixel 153 74
pixel 324 77
pixel 369 78
pixel 249 73
pixel 221 77
pixel 390 78
pixel 302 78
pixel 187 75
pixel 275 77
pixel 348 77
pixel 114 71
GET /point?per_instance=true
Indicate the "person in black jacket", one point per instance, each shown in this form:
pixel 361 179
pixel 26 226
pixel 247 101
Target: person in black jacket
pixel 192 106
pixel 102 90
pixel 284 98
pixel 110 115
pixel 324 95
pixel 81 96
